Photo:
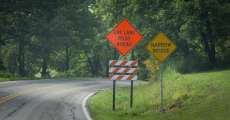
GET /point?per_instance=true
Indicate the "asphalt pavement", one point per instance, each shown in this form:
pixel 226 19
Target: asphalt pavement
pixel 48 99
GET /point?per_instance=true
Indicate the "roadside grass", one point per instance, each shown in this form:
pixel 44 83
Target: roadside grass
pixel 198 96
pixel 14 78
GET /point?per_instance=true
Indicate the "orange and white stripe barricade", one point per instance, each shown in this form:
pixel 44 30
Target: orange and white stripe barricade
pixel 123 70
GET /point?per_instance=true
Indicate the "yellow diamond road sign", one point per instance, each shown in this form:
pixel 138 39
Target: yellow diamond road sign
pixel 161 47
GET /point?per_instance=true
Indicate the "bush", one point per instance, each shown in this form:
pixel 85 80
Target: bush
pixel 5 75
pixel 152 67
pixel 191 63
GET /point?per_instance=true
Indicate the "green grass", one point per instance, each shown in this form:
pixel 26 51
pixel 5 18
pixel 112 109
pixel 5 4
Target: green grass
pixel 3 79
pixel 13 78
pixel 9 77
pixel 200 96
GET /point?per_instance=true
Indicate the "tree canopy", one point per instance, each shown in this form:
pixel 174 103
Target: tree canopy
pixel 67 37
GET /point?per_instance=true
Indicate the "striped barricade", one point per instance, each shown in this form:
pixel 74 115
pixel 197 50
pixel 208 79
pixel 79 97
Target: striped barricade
pixel 123 70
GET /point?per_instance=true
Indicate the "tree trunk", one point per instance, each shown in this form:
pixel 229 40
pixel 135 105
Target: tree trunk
pixel 97 65
pixel 67 59
pixel 90 63
pixel 1 61
pixel 209 48
pixel 44 72
pixel 21 58
pixel 1 65
pixel 107 61
pixel 94 64
pixel 208 39
pixel 12 66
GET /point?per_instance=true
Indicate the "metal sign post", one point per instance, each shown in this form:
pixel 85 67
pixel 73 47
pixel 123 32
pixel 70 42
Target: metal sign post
pixel 114 86
pixel 161 89
pixel 114 95
pixel 131 94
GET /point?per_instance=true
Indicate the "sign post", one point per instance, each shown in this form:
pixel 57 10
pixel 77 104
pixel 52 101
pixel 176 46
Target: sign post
pixel 124 37
pixel 161 47
pixel 114 86
pixel 131 94
pixel 161 88
pixel 114 95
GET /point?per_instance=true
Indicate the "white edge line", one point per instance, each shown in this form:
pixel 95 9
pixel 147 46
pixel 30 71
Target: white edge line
pixel 84 106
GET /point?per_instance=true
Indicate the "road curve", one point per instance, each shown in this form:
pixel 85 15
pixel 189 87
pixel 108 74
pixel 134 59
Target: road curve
pixel 47 99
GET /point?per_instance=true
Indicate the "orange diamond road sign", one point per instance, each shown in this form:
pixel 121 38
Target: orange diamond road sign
pixel 161 47
pixel 124 37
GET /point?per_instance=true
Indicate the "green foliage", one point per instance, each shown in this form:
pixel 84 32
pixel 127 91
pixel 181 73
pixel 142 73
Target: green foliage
pixel 41 36
pixel 184 23
pixel 153 68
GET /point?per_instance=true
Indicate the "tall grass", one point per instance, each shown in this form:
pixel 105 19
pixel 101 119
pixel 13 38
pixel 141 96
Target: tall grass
pixel 200 96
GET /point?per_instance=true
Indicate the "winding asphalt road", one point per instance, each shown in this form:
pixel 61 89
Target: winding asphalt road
pixel 47 99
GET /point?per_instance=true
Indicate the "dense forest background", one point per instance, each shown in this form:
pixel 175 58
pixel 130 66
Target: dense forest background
pixel 66 38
